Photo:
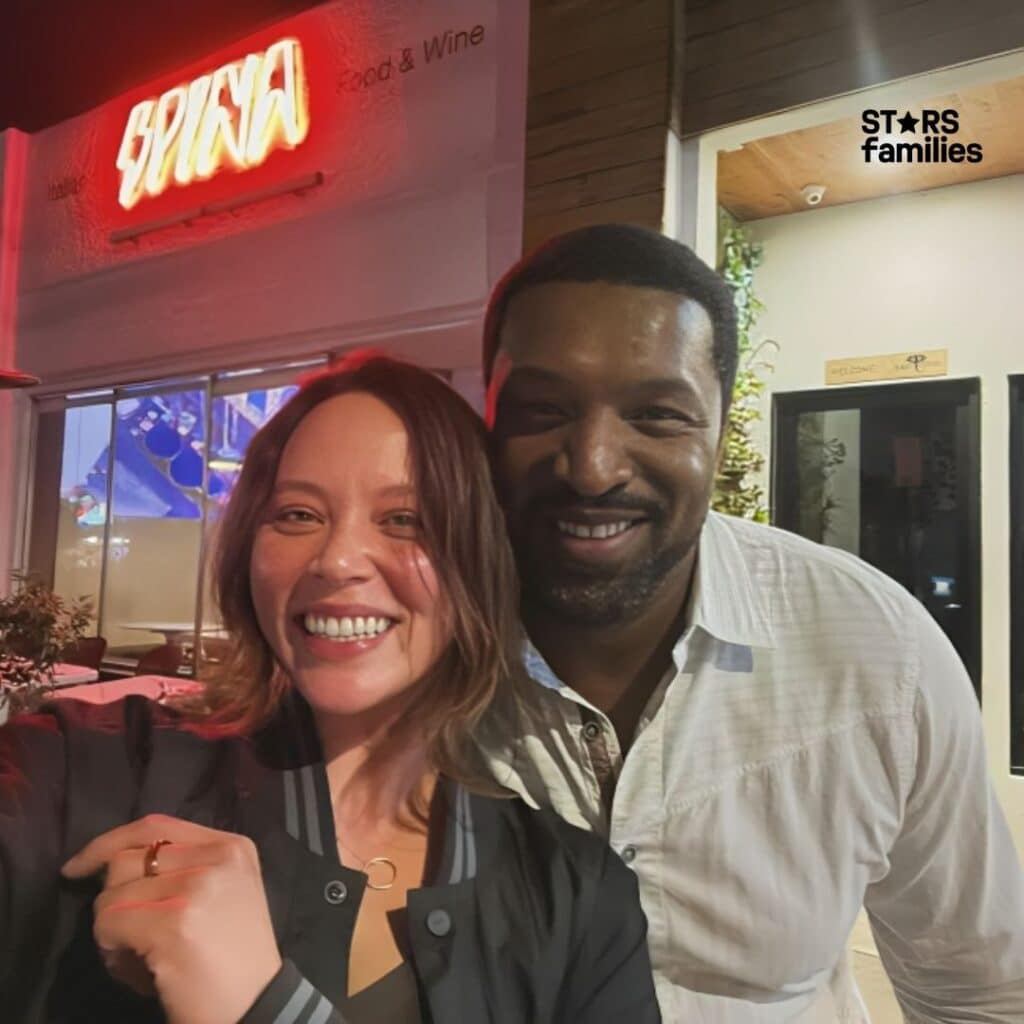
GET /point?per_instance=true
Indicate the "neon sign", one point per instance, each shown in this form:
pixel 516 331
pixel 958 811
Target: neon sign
pixel 233 117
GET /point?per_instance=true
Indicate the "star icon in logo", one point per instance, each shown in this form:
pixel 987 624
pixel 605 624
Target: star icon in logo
pixel 907 123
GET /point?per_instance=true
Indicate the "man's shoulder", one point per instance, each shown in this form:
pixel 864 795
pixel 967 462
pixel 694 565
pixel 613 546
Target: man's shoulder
pixel 843 633
pixel 793 567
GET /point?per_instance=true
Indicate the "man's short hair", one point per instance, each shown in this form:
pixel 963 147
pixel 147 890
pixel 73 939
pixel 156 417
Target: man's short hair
pixel 629 255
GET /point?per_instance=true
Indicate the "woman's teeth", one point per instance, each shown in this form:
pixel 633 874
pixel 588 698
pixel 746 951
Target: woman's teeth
pixel 596 532
pixel 345 629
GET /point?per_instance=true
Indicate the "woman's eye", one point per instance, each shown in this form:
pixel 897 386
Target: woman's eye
pixel 297 516
pixel 403 520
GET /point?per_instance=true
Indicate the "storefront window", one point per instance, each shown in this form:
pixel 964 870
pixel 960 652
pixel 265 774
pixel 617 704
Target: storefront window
pixel 891 474
pixel 153 543
pixel 143 477
pixel 1017 574
pixel 82 513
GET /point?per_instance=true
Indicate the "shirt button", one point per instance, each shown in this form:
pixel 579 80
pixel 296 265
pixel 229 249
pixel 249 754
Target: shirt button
pixel 335 892
pixel 439 923
pixel 591 731
pixel 628 854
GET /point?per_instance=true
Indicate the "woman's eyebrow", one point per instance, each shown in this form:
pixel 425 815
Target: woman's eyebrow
pixel 310 487
pixel 397 491
pixel 306 486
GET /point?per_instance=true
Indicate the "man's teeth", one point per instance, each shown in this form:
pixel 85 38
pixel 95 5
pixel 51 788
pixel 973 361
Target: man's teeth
pixel 346 629
pixel 596 532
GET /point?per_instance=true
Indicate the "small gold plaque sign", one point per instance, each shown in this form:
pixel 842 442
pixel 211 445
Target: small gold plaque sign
pixel 898 366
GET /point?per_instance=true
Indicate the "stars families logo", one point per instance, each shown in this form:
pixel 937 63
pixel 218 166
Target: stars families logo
pixel 928 141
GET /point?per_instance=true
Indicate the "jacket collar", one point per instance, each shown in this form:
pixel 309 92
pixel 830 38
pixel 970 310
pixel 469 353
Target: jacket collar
pixel 286 781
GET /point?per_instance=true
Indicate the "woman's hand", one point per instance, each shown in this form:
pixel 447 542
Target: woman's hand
pixel 198 929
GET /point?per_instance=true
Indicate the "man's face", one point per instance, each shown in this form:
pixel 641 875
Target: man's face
pixel 606 411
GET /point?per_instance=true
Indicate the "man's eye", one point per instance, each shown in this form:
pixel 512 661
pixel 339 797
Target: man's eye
pixel 657 412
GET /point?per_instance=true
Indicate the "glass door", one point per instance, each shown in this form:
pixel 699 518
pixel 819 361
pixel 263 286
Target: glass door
pixel 891 473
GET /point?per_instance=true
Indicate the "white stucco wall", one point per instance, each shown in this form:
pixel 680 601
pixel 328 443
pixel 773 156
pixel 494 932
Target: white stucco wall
pixel 928 270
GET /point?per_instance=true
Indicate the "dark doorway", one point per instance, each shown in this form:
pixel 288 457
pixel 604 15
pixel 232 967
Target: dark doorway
pixel 892 474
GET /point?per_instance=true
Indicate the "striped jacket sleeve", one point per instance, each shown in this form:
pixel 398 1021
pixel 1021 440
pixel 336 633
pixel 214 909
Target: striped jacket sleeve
pixel 291 999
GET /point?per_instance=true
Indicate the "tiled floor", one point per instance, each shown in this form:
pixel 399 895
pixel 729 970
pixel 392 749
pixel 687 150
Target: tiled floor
pixel 871 978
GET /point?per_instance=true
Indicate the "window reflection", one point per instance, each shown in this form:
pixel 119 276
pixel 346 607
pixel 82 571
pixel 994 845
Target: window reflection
pixel 236 418
pixel 148 453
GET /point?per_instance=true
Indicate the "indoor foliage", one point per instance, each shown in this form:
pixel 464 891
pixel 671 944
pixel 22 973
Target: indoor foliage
pixel 36 626
pixel 736 490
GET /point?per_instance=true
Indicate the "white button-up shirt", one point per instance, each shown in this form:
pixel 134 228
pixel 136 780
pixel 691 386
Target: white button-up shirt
pixel 815 746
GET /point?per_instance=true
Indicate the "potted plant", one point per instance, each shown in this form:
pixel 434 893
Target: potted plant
pixel 36 627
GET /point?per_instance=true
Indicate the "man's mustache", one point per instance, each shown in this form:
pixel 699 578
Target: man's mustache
pixel 566 500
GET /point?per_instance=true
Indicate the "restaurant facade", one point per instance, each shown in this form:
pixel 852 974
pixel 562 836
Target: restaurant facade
pixel 174 260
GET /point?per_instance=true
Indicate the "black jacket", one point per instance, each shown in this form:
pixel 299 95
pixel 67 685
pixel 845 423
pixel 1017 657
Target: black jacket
pixel 527 920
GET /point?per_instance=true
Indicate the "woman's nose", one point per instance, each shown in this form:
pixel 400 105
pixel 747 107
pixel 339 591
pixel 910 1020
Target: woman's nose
pixel 345 555
pixel 594 458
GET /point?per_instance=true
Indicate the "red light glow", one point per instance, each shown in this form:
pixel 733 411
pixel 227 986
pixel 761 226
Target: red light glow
pixel 232 117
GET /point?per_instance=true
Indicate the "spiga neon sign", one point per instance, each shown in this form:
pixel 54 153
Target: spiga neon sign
pixel 234 117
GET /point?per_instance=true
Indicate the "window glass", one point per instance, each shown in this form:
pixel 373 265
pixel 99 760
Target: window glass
pixel 236 418
pixel 78 565
pixel 153 544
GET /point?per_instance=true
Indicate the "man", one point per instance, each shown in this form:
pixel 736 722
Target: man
pixel 771 732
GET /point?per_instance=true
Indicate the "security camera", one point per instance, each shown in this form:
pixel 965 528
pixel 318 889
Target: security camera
pixel 813 194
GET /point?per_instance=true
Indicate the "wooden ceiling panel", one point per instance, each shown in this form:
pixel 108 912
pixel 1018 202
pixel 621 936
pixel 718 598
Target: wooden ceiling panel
pixel 764 178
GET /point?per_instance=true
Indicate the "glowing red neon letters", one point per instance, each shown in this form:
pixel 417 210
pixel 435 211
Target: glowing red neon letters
pixel 235 116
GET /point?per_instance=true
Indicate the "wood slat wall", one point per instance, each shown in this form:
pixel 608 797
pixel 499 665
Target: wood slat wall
pixel 746 58
pixel 598 108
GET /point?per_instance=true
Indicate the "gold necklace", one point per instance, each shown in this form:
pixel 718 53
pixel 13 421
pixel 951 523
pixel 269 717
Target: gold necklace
pixel 374 862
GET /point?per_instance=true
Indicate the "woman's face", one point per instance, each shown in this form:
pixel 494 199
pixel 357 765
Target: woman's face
pixel 343 591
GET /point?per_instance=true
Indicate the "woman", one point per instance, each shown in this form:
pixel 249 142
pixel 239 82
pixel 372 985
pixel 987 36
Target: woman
pixel 321 845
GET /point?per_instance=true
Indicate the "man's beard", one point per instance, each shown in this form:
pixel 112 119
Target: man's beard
pixel 582 595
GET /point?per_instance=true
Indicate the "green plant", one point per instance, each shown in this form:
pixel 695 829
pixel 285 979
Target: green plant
pixel 36 627
pixel 736 492
pixel 818 460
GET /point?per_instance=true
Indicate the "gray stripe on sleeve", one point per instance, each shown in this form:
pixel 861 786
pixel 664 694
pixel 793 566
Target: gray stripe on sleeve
pixel 312 819
pixel 470 837
pixel 291 805
pixel 321 1013
pixel 458 844
pixel 292 1009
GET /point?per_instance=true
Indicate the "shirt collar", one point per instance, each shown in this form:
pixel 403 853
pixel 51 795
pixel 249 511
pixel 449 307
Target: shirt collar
pixel 728 603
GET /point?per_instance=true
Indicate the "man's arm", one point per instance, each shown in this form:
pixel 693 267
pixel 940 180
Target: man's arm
pixel 948 917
